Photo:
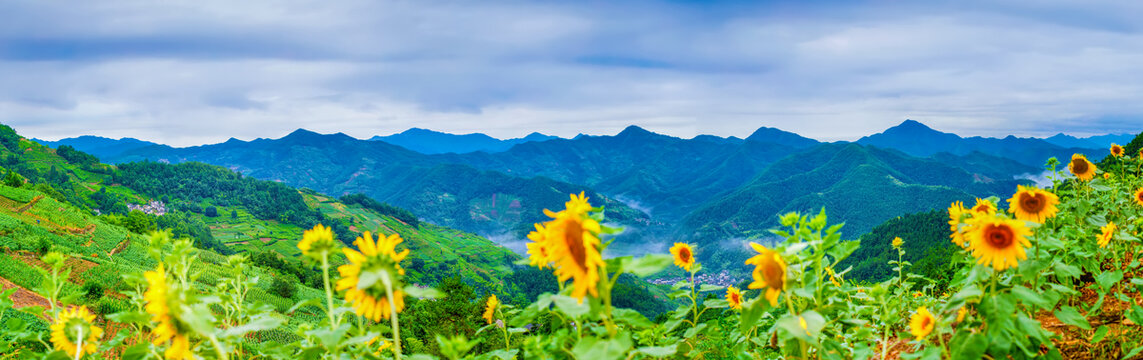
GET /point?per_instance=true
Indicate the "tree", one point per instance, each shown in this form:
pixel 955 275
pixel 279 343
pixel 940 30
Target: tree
pixel 284 287
pixel 211 211
pixel 234 214
pixel 13 179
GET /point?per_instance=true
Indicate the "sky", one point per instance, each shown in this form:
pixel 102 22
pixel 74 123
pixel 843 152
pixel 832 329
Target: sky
pixel 193 72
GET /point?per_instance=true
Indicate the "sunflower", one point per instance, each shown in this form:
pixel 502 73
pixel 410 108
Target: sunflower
pixel 538 249
pixel 378 260
pixel 160 305
pixel 1033 204
pixel 998 241
pixel 75 332
pixel 921 324
pixel 1081 168
pixel 984 206
pixel 961 313
pixel 1139 196
pixel 1108 232
pixel 833 277
pixel 384 344
pixel 490 308
pixel 1116 150
pixel 956 210
pixel 734 297
pixel 684 255
pixel 316 241
pixel 769 272
pixel 572 242
pixel 897 242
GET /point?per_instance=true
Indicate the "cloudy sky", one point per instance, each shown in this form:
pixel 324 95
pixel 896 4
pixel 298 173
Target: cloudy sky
pixel 193 72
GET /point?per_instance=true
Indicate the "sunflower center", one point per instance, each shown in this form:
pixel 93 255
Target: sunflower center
pixel 925 322
pixel 1032 203
pixel 735 298
pixel 1139 196
pixel 1079 166
pixel 1000 237
pixel 685 254
pixel 772 271
pixel 573 237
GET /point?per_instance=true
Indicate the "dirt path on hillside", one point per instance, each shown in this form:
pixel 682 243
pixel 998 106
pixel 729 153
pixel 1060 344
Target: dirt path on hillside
pixel 24 297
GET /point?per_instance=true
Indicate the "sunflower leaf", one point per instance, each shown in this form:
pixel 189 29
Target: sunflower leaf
pixel 1108 279
pixel 649 265
pixel 1069 315
pixel 1030 297
pixel 709 287
pixel 571 306
pixel 1100 333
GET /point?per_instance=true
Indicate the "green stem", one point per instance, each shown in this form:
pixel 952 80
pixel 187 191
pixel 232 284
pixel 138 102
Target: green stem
pixel 333 323
pixel 79 344
pixel 694 299
pixel 218 348
pixel 393 312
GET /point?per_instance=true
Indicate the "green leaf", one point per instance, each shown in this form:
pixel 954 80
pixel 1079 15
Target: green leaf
pixel 970 347
pixel 709 287
pixel 570 306
pixel 690 333
pixel 631 317
pixel 137 352
pixel 1066 271
pixel 423 292
pixel 130 317
pixel 659 351
pixel 1030 297
pixel 1108 279
pixel 329 338
pixel 503 354
pixel 751 312
pixel 592 348
pixel 716 304
pixel 1099 334
pixel 1069 315
pixel 257 323
pixel 649 265
pixel 1136 314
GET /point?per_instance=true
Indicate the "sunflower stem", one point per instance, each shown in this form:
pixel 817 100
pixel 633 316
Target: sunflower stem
pixel 393 312
pixel 79 342
pixel 694 299
pixel 333 323
pixel 218 348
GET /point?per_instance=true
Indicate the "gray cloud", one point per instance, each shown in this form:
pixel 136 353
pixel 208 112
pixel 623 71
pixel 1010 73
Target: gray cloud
pixel 188 73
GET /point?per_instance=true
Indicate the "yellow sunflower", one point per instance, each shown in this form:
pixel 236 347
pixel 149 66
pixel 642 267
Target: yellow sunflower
pixel 159 305
pixel 734 297
pixel 921 324
pixel 74 331
pixel 1116 150
pixel 572 241
pixel 684 255
pixel 956 210
pixel 316 241
pixel 833 277
pixel 384 344
pixel 1139 196
pixel 490 308
pixel 769 272
pixel 998 241
pixel 377 260
pixel 1108 232
pixel 897 242
pixel 1081 168
pixel 1033 204
pixel 538 255
pixel 983 206
pixel 961 313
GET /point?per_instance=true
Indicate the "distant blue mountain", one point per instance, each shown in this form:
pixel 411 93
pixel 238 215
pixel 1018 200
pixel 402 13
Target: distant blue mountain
pixel 1093 142
pixel 917 139
pixel 433 142
pixel 101 147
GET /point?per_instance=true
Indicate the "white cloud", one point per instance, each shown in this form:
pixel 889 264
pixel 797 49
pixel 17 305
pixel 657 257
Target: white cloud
pixel 188 73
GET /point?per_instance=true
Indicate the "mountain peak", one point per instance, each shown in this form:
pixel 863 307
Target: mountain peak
pixel 779 136
pixel 634 130
pixel 911 126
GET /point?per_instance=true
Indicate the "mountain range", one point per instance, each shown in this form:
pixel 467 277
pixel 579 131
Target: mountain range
pixel 704 189
pixel 434 142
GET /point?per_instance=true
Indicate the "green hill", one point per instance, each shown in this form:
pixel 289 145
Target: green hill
pixel 862 186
